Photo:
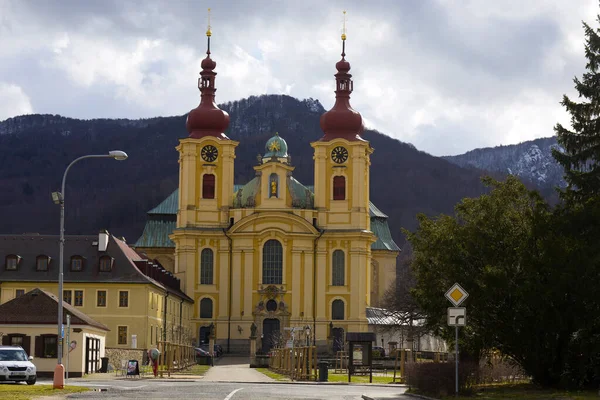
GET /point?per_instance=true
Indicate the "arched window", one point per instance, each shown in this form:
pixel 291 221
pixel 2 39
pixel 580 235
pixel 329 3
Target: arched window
pixel 272 262
pixel 206 267
pixel 338 268
pixel 208 186
pixel 206 308
pixel 337 309
pixel 339 188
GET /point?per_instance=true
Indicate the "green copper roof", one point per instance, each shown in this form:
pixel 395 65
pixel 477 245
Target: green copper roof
pixel 380 228
pixel 161 220
pixel 246 196
pixel 302 197
pixel 375 212
pixel 168 205
pixel 157 230
pixel 276 147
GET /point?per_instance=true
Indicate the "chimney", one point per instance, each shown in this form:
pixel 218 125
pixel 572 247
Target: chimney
pixel 102 240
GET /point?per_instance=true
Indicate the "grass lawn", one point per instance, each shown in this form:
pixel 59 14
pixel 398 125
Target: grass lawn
pixel 360 378
pixel 332 377
pixel 273 375
pixel 25 392
pixel 523 391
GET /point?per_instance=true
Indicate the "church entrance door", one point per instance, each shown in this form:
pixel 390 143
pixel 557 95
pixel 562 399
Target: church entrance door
pixel 271 332
pixel 338 339
pixel 204 335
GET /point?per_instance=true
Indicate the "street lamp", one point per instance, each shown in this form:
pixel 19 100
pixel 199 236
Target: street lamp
pixel 307 331
pixel 59 198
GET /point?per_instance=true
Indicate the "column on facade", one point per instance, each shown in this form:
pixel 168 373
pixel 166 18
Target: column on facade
pixel 296 285
pixel 236 284
pixel 249 285
pixel 223 265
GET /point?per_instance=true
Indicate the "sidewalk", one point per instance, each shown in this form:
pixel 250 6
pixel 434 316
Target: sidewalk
pixel 234 369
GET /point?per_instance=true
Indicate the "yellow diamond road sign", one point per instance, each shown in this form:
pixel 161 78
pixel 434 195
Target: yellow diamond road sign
pixel 456 294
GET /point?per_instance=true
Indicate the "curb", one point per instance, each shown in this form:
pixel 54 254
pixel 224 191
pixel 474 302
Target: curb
pixel 387 385
pixel 419 396
pixel 365 397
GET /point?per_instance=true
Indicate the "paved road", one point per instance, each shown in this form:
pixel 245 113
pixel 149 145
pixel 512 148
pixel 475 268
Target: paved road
pixel 234 369
pixel 186 389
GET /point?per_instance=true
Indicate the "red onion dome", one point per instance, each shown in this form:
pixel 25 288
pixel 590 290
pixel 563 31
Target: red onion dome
pixel 342 121
pixel 207 119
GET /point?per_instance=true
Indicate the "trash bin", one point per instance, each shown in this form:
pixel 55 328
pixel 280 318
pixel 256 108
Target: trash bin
pixel 104 364
pixel 323 370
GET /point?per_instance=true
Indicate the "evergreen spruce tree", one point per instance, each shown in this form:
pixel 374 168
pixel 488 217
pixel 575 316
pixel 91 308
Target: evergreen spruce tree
pixel 581 156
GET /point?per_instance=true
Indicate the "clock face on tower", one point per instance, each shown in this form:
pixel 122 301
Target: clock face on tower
pixel 339 154
pixel 209 153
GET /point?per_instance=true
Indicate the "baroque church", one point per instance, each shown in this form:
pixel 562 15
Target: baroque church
pixel 273 252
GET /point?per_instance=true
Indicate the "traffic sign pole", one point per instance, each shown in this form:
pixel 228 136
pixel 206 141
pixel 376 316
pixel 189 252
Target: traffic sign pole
pixel 456 295
pixel 456 361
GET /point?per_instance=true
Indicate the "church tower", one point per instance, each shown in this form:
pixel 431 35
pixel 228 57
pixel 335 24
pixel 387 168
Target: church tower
pixel 341 188
pixel 206 170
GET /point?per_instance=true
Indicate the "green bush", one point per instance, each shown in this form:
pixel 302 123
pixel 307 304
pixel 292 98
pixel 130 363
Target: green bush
pixel 438 379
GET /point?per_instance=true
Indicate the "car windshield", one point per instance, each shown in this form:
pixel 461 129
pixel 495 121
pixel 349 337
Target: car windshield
pixel 12 355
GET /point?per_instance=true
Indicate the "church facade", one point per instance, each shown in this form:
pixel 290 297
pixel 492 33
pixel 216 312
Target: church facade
pixel 273 252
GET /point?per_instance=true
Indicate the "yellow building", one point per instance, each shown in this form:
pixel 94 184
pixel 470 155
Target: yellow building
pixel 30 321
pixel 137 299
pixel 274 252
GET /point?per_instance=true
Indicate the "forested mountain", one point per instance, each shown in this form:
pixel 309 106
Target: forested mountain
pixel 531 161
pixel 115 195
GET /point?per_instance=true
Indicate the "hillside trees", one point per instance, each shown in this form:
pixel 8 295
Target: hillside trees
pixel 531 274
pixel 581 156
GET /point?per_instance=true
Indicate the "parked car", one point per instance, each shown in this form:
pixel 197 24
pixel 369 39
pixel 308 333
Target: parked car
pixel 378 352
pixel 200 352
pixel 203 357
pixel 218 350
pixel 16 366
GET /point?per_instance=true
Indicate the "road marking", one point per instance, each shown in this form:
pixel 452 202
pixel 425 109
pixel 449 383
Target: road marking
pixel 132 387
pixel 230 395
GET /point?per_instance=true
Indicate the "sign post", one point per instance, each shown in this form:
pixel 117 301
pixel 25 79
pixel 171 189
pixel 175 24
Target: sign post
pixel 68 341
pixel 457 316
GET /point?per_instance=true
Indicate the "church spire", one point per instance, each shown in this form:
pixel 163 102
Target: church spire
pixel 207 119
pixel 342 121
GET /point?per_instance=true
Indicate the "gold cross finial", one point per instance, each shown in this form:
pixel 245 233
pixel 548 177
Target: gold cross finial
pixel 344 26
pixel 208 31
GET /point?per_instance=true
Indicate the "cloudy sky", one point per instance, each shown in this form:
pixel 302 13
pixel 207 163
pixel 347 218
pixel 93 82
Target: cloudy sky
pixel 445 75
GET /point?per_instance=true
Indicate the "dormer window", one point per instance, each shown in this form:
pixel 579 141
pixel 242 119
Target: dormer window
pixel 106 264
pixel 76 263
pixel 41 263
pixel 12 262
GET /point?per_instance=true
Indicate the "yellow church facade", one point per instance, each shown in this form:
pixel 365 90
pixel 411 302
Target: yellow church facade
pixel 273 252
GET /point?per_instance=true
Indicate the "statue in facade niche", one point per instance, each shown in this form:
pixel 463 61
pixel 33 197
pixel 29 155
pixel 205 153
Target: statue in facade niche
pixel 273 188
pixel 253 330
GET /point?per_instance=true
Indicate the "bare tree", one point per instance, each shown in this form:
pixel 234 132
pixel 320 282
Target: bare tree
pixel 401 309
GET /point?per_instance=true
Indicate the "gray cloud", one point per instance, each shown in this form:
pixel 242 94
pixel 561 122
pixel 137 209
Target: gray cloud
pixel 446 76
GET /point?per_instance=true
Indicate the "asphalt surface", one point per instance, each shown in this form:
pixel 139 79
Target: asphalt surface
pixel 196 389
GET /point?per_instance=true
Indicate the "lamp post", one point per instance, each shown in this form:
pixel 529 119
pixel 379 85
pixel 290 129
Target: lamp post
pixel 59 198
pixel 307 331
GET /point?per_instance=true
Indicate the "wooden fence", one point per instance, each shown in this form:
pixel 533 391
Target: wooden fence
pixel 299 363
pixel 175 357
pixel 402 357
